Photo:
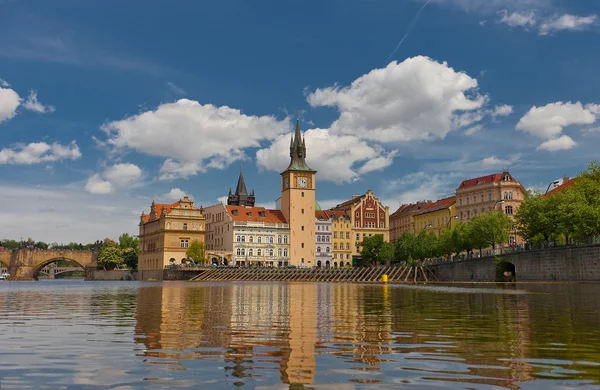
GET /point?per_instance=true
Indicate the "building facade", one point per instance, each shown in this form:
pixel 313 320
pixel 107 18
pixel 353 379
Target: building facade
pixel 323 242
pixel 496 192
pixel 166 233
pixel 402 220
pixel 298 183
pixel 343 243
pixel 248 236
pixel 436 216
pixel 368 217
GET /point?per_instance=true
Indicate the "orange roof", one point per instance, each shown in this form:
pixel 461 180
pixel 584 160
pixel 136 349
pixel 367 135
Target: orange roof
pixel 255 214
pixel 566 184
pixel 327 214
pixel 405 208
pixel 160 207
pixel 350 202
pixel 494 178
pixel 441 204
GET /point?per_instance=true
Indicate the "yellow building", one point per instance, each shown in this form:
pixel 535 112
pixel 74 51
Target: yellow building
pixel 298 203
pixel 402 220
pixel 368 217
pixel 436 216
pixel 165 235
pixel 341 229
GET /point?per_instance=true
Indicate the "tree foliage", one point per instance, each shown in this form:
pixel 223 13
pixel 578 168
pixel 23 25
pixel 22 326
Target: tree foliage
pixel 110 256
pixel 196 251
pixel 375 250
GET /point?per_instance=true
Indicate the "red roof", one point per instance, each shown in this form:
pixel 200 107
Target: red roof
pixel 405 208
pixel 255 214
pixel 327 214
pixel 565 184
pixel 494 178
pixel 441 204
pixel 159 210
pixel 350 202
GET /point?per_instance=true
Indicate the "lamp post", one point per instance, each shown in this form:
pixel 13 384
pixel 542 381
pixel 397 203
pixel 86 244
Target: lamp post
pixel 555 182
pixel 450 220
pixel 498 201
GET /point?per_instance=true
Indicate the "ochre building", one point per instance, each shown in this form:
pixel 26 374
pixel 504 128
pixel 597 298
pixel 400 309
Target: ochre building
pixel 402 220
pixel 166 233
pixel 436 216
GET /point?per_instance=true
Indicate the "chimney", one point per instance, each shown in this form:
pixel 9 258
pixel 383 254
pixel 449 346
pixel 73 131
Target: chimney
pixel 355 196
pixel 566 179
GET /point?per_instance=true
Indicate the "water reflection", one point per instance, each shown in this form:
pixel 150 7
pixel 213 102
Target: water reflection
pixel 298 336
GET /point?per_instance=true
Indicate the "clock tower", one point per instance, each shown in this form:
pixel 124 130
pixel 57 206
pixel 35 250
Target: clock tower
pixel 298 203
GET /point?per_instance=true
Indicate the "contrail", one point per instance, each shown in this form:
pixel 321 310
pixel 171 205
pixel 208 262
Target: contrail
pixel 410 27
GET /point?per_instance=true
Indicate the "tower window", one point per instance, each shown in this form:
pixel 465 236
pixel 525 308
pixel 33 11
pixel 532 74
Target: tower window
pixel 302 227
pixel 303 194
pixel 302 245
pixel 302 211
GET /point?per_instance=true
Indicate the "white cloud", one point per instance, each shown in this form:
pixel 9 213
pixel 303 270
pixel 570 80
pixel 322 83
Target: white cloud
pixel 123 175
pixel 175 89
pixel 337 158
pixel 38 152
pixel 567 22
pixel 421 186
pixel 193 137
pixel 518 19
pixel 417 99
pixel 9 101
pixel 32 104
pixel 4 83
pixel 96 185
pixel 501 110
pixel 561 143
pixel 175 194
pixel 548 122
pixel 474 129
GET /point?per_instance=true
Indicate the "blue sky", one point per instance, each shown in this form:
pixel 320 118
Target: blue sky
pixel 105 106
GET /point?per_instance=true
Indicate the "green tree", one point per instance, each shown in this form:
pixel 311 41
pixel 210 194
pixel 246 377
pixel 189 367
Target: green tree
pixel 376 250
pixel 537 215
pixel 128 241
pixel 405 247
pixel 110 256
pixel 462 238
pixel 196 251
pixel 490 229
pixel 445 243
pixel 130 257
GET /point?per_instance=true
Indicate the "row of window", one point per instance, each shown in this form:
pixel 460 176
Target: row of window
pixel 507 210
pixel 324 228
pixel 341 225
pixel 335 245
pixel 508 195
pixel 323 238
pixel 335 256
pixel 327 250
pixel 335 235
pixel 370 215
pixel 259 252
pixel 259 239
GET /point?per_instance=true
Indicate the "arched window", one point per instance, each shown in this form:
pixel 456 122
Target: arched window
pixel 509 210
pixel 251 239
pixel 285 239
pixel 271 252
pixel 259 239
pixel 348 246
pixel 318 238
pixel 271 240
pixel 327 250
pixel 243 238
pixel 250 252
pixel 185 226
pixel 259 252
pixel 318 249
pixel 506 195
pixel 328 238
pixel 279 239
pixel 238 238
pixel 335 245
pixel 510 195
pixel 238 252
pixel 285 252
pixel 278 252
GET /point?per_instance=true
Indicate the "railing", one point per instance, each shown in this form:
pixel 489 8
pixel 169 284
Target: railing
pixel 261 224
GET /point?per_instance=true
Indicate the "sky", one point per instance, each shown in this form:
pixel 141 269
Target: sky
pixel 106 106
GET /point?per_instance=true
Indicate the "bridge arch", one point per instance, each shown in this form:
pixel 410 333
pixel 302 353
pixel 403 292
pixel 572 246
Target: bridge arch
pixel 506 272
pixel 40 266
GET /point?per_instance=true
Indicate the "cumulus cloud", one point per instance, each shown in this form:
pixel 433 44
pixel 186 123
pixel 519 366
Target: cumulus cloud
pixel 33 104
pixel 338 158
pixel 473 130
pixel 175 194
pixel 501 110
pixel 548 122
pixel 417 99
pixel 38 152
pixel 193 137
pixel 566 22
pixel 123 174
pixel 518 19
pixel 9 101
pixel 561 143
pixel 114 176
pixel 96 185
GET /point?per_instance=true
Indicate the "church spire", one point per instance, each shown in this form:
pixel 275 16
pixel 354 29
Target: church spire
pixel 241 197
pixel 241 185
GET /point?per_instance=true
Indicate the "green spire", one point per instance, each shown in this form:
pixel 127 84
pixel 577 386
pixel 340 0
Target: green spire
pixel 298 150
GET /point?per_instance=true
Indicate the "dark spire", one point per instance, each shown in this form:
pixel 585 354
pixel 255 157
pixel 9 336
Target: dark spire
pixel 298 151
pixel 241 185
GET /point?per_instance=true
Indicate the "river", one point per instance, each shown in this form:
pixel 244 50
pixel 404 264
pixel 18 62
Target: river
pixel 70 334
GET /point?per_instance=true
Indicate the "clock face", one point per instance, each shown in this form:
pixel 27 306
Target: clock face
pixel 302 182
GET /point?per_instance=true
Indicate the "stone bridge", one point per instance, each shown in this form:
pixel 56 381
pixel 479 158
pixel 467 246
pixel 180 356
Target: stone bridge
pixel 554 264
pixel 26 264
pixel 51 272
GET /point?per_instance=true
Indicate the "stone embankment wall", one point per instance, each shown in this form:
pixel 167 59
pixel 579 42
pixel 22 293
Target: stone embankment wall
pixel 557 264
pixel 100 274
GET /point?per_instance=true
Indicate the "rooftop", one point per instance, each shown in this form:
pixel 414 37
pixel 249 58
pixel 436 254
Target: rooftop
pixel 441 204
pixel 255 214
pixel 493 178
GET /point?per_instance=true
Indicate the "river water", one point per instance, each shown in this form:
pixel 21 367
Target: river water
pixel 66 334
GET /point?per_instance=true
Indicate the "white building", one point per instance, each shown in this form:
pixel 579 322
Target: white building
pixel 323 238
pixel 247 236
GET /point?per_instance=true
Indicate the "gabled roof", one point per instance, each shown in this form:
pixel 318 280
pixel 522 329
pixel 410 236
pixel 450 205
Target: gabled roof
pixel 350 202
pixel 328 214
pixel 160 208
pixel 441 204
pixel 412 207
pixel 255 214
pixel 493 178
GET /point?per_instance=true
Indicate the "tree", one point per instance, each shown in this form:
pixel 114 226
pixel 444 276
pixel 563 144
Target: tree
pixel 196 251
pixel 127 241
pixel 490 229
pixel 376 250
pixel 445 244
pixel 537 215
pixel 405 247
pixel 462 238
pixel 110 256
pixel 130 257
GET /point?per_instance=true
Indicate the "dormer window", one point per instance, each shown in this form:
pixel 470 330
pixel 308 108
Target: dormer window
pixel 249 213
pixel 261 214
pixel 234 212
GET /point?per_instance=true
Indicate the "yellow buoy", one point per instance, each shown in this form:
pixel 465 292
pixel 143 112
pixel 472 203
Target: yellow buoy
pixel 384 278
